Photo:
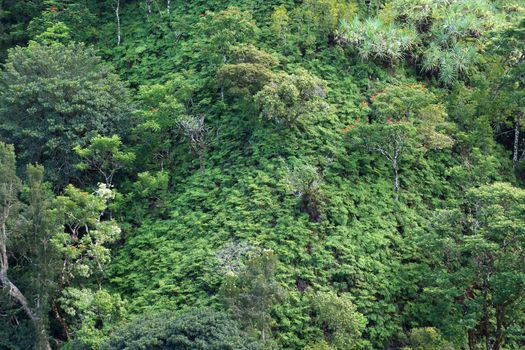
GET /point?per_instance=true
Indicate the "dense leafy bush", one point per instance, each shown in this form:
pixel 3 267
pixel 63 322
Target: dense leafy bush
pixel 201 329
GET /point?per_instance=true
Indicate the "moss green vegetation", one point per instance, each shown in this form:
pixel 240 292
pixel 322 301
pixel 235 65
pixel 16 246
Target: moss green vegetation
pixel 242 174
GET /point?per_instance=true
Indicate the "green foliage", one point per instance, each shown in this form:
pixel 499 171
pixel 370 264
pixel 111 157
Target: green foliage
pixel 104 155
pixel 83 310
pixel 55 97
pixel 63 21
pixel 248 70
pixel 10 182
pixel 95 312
pixel 304 182
pixel 84 242
pixel 289 99
pixel 428 339
pixel 251 294
pixel 321 345
pixel 404 119
pixel 57 33
pixel 25 231
pixel 199 329
pixel 446 37
pixel 338 318
pixel 373 39
pixel 276 126
pixel 477 249
pixel 315 21
pixel 14 20
pixel 223 30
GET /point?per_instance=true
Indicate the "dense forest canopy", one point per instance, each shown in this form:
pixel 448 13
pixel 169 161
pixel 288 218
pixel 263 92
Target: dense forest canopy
pixel 250 174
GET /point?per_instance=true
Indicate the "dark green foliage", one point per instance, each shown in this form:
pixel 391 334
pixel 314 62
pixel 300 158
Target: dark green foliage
pixel 75 17
pixel 14 19
pixel 200 329
pixel 480 256
pixel 55 97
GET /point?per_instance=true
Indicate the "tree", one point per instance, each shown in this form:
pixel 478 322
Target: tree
pixel 222 31
pixel 316 21
pixel 338 318
pixel 251 294
pixel 280 22
pixel 92 314
pixel 10 186
pixel 427 339
pixel 26 235
pixel 290 99
pixel 442 38
pixel 454 36
pixel 479 277
pixel 507 91
pixel 162 107
pixel 225 29
pixel 372 39
pixel 304 180
pixel 104 155
pixel 83 248
pixel 15 17
pixel 320 345
pixel 195 131
pixel 198 329
pixel 403 118
pixel 50 107
pixel 247 70
pixel 116 8
pixel 39 222
pixel 51 265
pixel 68 20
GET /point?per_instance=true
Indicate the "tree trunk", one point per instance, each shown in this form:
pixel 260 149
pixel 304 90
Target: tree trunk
pixel 471 339
pixel 485 322
pixel 117 14
pixel 13 290
pixel 500 315
pixel 59 318
pixel 516 142
pixel 395 170
pixel 369 9
pixel 168 7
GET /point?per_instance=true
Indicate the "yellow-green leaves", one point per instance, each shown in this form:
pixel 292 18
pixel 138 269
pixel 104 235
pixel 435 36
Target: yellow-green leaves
pixel 104 155
pixel 289 99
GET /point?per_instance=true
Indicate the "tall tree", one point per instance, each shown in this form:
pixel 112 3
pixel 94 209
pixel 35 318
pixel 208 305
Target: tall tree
pixel 403 118
pixel 507 96
pixel 55 97
pixel 10 187
pixel 476 251
pixel 252 293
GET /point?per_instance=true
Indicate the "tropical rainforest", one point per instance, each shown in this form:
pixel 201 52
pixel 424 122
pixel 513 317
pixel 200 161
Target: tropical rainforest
pixel 262 174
